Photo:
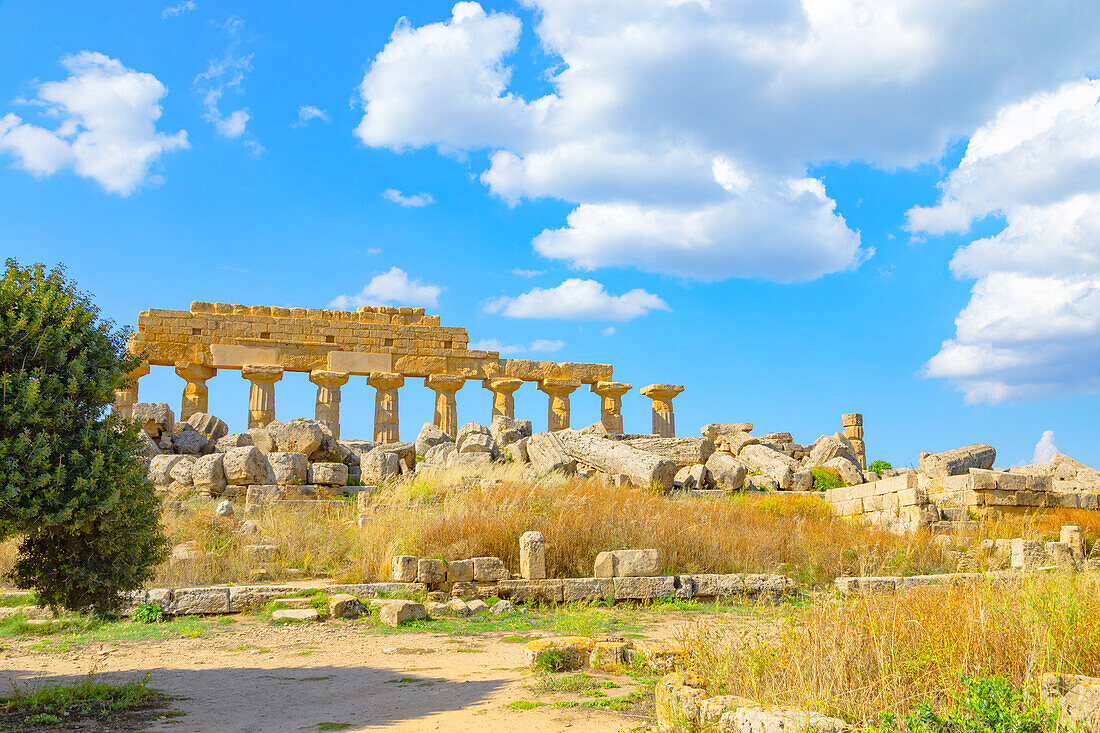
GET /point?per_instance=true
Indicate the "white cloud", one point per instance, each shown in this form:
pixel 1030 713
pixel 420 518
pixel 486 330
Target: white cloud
pixel 307 114
pixel 415 200
pixel 1032 326
pixel 106 126
pixel 227 73
pixel 520 272
pixel 1045 448
pixel 702 119
pixel 609 331
pixel 374 251
pixel 178 9
pixel 577 300
pixel 544 346
pixel 394 286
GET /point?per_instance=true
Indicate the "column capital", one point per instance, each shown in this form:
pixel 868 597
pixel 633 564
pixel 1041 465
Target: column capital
pixel 610 389
pixel 193 371
pixel 444 382
pixel 262 372
pixel 507 385
pixel 325 378
pixel 385 380
pixel 662 391
pixel 558 387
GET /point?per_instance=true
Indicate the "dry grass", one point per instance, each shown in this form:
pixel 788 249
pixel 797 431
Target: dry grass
pixel 436 516
pixel 855 658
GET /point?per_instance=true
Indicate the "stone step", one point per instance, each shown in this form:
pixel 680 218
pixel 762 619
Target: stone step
pixel 295 601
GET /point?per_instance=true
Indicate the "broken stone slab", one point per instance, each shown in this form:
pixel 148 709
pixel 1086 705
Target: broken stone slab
pixel 298 436
pixel 295 614
pixel 770 463
pixel 344 605
pixel 722 432
pixel 182 472
pixel 828 447
pixel 378 465
pixel 738 442
pixel 958 461
pixel 532 556
pixel 403 568
pixel 460 571
pixel 627 563
pixel 644 588
pixel 644 468
pixel 849 471
pixel 568 653
pixel 681 451
pixel 328 474
pixel 188 601
pixel 728 473
pixel 208 475
pixel 212 427
pixel 489 570
pixel 506 430
pixel 396 612
pixel 288 469
pixel 155 418
pixel 588 589
pixel 525 591
pixel 245 466
pixel 429 437
pixel 191 442
pixel 546 454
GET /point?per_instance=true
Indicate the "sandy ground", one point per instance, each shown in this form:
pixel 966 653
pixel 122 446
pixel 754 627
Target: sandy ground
pixel 250 676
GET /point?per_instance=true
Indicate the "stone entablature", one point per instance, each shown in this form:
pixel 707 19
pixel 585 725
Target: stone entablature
pixel 372 339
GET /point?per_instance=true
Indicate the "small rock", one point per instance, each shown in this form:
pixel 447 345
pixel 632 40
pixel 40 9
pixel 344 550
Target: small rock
pixel 224 509
pixel 477 606
pixel 396 612
pixel 502 608
pixel 344 605
pixel 459 606
pixel 247 527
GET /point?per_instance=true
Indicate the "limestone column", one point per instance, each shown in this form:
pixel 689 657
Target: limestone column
pixel 853 431
pixel 195 393
pixel 328 396
pixel 611 404
pixel 261 398
pixel 128 395
pixel 557 417
pixel 385 405
pixel 664 422
pixel 503 401
pixel 446 408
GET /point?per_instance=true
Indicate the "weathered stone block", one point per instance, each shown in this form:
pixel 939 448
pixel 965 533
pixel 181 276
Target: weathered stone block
pixel 245 466
pixel 460 571
pixel 431 571
pixel 489 569
pixel 328 474
pixel 523 591
pixel 187 601
pixel 532 556
pixel 396 612
pixel 627 563
pixel 587 589
pixel 403 568
pixel 644 588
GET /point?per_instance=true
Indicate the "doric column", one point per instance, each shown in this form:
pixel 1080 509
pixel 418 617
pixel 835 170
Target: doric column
pixel 194 394
pixel 446 408
pixel 502 389
pixel 261 398
pixel 664 422
pixel 385 405
pixel 853 431
pixel 128 395
pixel 557 417
pixel 611 404
pixel 328 396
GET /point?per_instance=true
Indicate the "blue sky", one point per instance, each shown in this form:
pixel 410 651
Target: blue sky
pixel 794 209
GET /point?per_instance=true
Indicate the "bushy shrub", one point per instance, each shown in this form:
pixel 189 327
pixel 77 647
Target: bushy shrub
pixel 879 466
pixel 148 613
pixel 72 478
pixel 983 705
pixel 826 478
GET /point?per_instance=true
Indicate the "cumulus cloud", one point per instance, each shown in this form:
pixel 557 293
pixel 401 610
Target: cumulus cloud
pixel 415 200
pixel 687 129
pixel 307 114
pixel 520 272
pixel 544 346
pixel 178 9
pixel 609 331
pixel 1032 326
pixel 106 125
pixel 577 300
pixel 1045 448
pixel 227 73
pixel 392 287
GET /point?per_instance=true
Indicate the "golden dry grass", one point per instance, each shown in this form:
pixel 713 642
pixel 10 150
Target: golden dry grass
pixel 855 658
pixel 437 516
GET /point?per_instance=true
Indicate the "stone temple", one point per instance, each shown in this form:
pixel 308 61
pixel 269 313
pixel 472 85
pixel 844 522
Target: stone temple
pixel 384 345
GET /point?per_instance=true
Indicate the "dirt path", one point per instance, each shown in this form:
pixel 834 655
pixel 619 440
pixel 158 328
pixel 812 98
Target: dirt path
pixel 250 676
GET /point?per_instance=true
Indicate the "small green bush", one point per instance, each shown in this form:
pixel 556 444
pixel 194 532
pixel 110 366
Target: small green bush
pixel 879 466
pixel 148 613
pixel 555 660
pixel 826 478
pixel 985 705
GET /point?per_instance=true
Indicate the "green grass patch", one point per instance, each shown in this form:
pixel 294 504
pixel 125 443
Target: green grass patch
pixel 19 599
pixel 107 702
pixel 579 682
pixel 826 478
pixel 525 705
pixel 65 633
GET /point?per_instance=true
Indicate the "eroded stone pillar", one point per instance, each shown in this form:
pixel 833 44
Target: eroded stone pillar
pixel 386 426
pixel 664 422
pixel 446 407
pixel 503 401
pixel 611 404
pixel 328 396
pixel 195 393
pixel 128 395
pixel 261 398
pixel 557 416
pixel 853 431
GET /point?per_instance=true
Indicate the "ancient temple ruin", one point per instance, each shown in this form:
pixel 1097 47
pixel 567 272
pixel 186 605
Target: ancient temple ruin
pixel 384 345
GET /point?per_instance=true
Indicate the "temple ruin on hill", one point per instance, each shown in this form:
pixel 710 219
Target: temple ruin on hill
pixel 385 345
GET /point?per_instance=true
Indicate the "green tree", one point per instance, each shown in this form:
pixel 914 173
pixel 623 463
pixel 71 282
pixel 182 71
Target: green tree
pixel 73 481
